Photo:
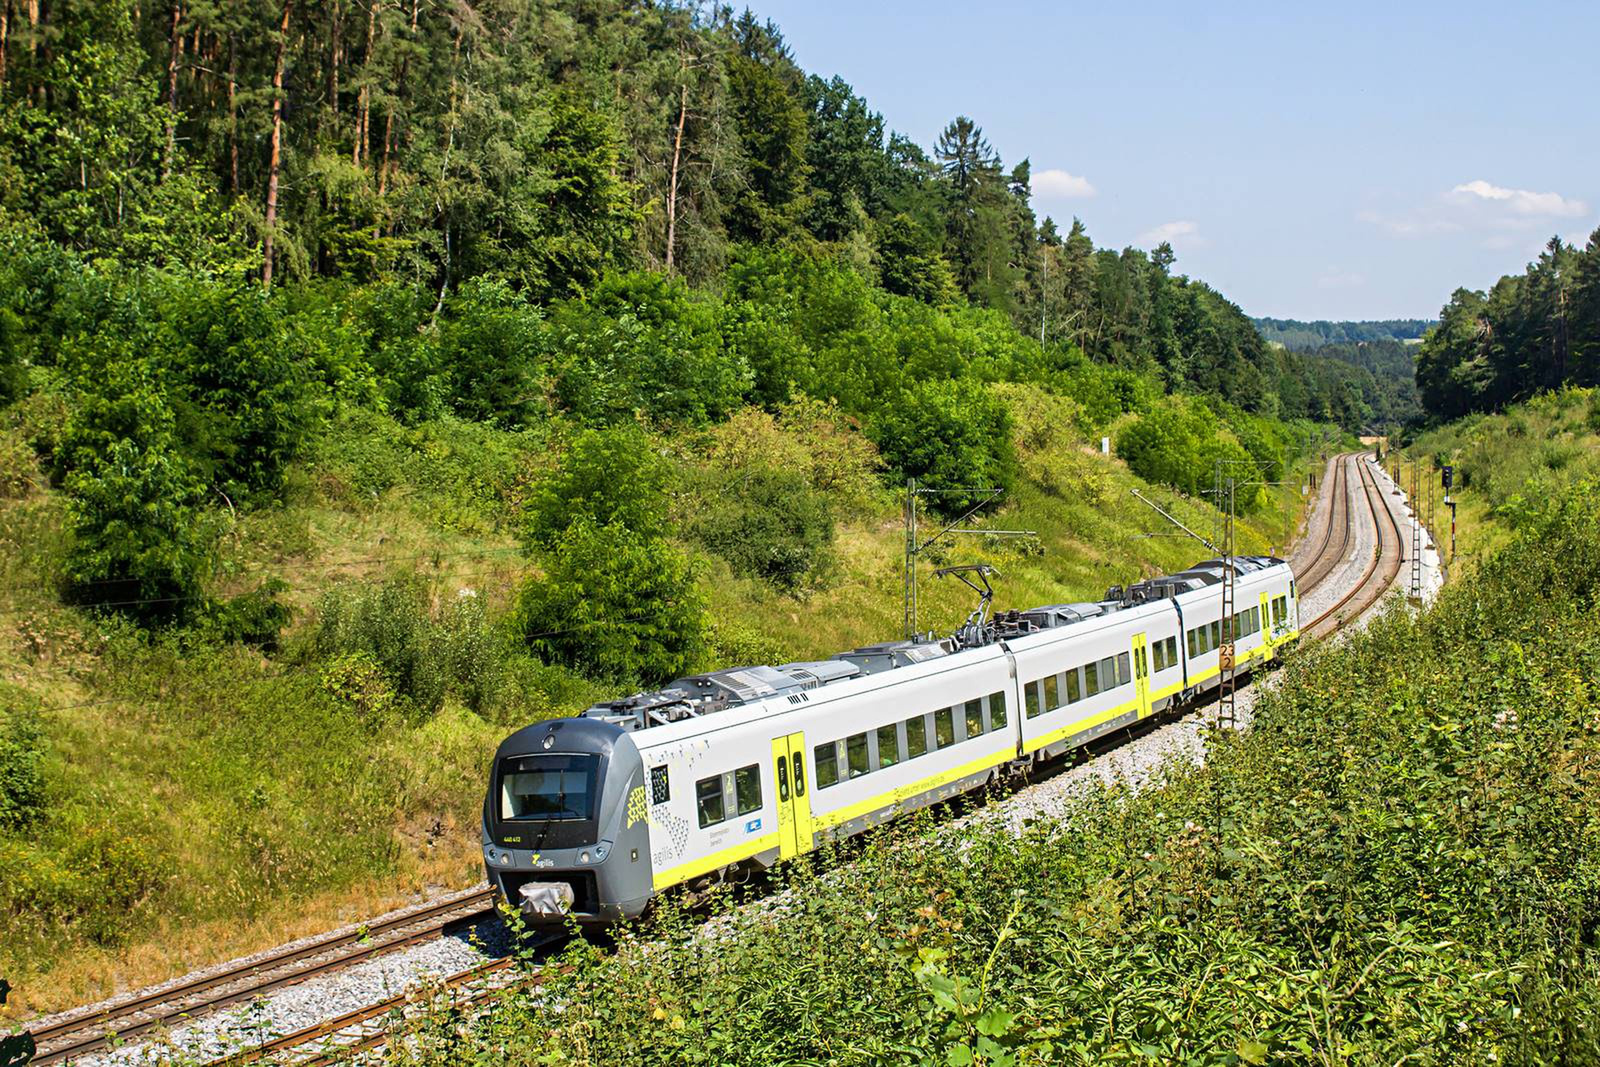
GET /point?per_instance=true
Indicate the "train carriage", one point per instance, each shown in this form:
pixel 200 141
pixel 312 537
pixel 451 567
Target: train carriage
pixel 591 817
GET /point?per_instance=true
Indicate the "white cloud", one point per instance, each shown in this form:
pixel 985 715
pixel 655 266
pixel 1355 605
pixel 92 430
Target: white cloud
pixel 1182 229
pixel 1523 201
pixel 1501 215
pixel 1059 185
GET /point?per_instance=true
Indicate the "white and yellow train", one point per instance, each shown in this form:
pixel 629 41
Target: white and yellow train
pixel 591 817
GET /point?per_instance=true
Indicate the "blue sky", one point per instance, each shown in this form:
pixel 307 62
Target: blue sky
pixel 1342 160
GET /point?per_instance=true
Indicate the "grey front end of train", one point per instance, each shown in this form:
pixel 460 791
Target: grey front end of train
pixel 565 833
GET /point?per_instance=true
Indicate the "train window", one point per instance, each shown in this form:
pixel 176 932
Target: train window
pixel 975 717
pixel 547 787
pixel 1172 651
pixel 997 710
pixel 1032 692
pixel 856 752
pixel 1124 675
pixel 888 745
pixel 944 728
pixel 827 764
pixel 1158 657
pixel 1193 652
pixel 708 800
pixel 1108 674
pixel 1216 635
pixel 1074 686
pixel 1292 593
pixel 916 736
pixel 1052 694
pixel 747 788
pixel 660 791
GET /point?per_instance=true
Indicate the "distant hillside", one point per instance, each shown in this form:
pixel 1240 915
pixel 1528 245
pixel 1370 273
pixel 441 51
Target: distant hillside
pixel 1304 336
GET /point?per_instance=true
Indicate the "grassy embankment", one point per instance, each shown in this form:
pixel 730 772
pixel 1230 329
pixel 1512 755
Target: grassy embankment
pixel 201 800
pixel 1508 466
pixel 1400 863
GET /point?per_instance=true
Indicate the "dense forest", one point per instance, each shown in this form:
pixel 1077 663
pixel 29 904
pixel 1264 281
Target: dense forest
pixel 1373 360
pixel 1383 371
pixel 228 225
pixel 541 147
pixel 1308 336
pixel 1531 332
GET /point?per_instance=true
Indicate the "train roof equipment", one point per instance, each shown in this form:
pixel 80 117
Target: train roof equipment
pixel 703 694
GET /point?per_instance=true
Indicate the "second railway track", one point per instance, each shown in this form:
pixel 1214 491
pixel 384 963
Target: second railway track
pixel 80 1033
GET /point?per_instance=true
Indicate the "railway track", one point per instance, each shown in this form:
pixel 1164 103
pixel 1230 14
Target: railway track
pixel 1335 539
pixel 77 1034
pixel 369 1027
pixel 1380 571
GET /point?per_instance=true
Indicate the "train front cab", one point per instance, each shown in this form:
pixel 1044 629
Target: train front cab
pixel 565 833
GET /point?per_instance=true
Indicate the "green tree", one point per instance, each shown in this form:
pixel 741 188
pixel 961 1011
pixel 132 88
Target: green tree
pixel 767 523
pixel 139 544
pixel 608 477
pixel 949 435
pixel 615 605
pixel 643 344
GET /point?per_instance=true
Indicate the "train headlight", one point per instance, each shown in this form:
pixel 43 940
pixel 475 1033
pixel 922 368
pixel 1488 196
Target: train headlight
pixel 584 857
pixel 601 851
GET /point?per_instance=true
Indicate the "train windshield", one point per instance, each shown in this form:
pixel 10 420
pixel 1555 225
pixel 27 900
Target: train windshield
pixel 548 787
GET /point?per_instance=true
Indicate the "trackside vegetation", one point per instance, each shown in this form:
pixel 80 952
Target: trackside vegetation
pixel 1400 862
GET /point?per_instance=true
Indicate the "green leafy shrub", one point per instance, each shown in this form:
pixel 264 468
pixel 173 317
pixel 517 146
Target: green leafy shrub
pixel 486 346
pixel 358 681
pixel 22 784
pixel 1179 443
pixel 767 523
pixel 607 477
pixel 243 403
pixel 643 345
pixel 139 543
pixel 613 604
pixel 422 654
pixel 255 618
pixel 952 436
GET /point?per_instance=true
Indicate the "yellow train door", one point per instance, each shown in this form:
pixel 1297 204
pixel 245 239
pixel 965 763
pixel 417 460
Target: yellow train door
pixel 1141 672
pixel 794 794
pixel 1266 630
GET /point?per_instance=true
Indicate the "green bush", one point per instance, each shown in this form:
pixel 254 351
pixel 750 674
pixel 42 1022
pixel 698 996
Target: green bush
pixel 643 345
pixel 952 436
pixel 22 784
pixel 255 618
pixel 421 654
pixel 607 477
pixel 767 523
pixel 486 346
pixel 1179 442
pixel 140 545
pixel 615 605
